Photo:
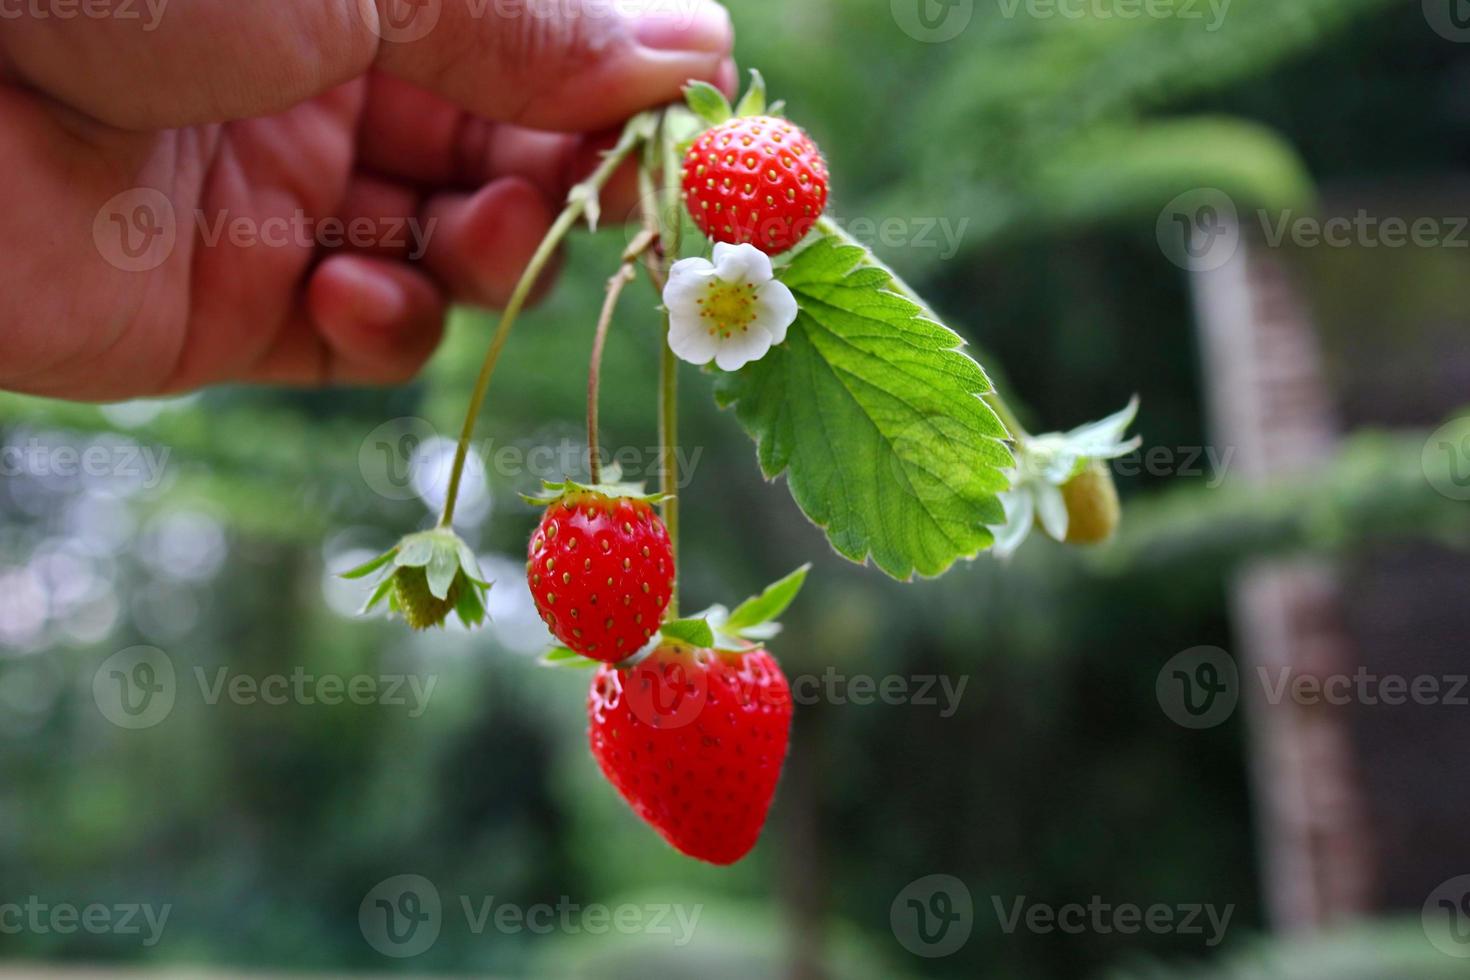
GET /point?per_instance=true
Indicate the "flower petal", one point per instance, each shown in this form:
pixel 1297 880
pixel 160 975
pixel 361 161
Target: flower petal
pixel 775 309
pixel 742 348
pixel 741 263
pixel 691 341
pixel 687 281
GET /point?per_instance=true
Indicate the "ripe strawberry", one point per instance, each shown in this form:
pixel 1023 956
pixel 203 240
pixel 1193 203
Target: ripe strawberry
pixel 755 179
pixel 601 571
pixel 694 740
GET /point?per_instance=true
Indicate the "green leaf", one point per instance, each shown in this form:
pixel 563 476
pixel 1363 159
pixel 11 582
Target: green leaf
pixel 769 604
pixel 367 568
pixel 708 102
pixel 874 415
pixel 563 657
pixel 753 102
pixel 695 632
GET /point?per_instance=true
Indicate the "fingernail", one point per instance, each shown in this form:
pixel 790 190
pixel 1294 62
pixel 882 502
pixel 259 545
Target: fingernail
pixel 700 26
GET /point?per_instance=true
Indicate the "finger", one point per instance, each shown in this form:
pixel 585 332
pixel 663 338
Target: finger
pixel 575 65
pixel 381 217
pixel 410 134
pixel 157 64
pixel 378 320
pixel 481 243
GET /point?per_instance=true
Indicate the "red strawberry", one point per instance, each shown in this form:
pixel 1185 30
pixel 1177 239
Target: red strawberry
pixel 694 740
pixel 755 179
pixel 601 572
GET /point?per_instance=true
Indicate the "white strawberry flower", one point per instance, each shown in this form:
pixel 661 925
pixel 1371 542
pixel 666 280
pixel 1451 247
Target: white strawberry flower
pixel 731 310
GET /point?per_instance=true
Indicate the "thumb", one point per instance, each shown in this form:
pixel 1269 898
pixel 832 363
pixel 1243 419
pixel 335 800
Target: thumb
pixel 568 65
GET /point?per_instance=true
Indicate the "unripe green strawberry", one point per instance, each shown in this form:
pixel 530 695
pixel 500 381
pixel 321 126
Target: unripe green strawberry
pixel 426 576
pixel 421 609
pixel 1093 511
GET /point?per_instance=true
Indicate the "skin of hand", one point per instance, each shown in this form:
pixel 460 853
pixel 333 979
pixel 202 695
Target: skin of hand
pixel 292 192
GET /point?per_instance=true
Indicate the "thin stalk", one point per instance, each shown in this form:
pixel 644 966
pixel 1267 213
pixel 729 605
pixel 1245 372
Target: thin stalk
pixel 668 368
pixel 626 273
pixel 577 203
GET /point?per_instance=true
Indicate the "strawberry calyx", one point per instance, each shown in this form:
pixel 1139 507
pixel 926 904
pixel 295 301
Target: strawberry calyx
pixel 426 576
pixel 556 492
pixel 728 633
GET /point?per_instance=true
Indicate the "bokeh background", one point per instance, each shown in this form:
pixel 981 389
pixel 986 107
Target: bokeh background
pixel 1090 193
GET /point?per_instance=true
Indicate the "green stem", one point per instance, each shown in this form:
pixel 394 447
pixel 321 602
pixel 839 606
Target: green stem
pixel 992 397
pixel 583 195
pixel 658 203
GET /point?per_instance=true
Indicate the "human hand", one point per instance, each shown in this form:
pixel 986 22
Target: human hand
pixel 176 193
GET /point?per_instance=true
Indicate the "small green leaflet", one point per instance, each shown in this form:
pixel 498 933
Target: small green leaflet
pixel 753 102
pixel 708 102
pixel 875 416
pixel 562 657
pixel 695 632
pixel 769 604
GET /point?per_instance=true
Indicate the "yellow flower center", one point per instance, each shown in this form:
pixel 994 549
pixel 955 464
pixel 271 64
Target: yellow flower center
pixel 727 308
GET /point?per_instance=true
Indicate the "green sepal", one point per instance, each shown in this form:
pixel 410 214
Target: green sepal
pixel 707 102
pixel 383 590
pixel 772 602
pixel 753 102
pixel 368 567
pixel 695 631
pixel 564 657
pixel 555 491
